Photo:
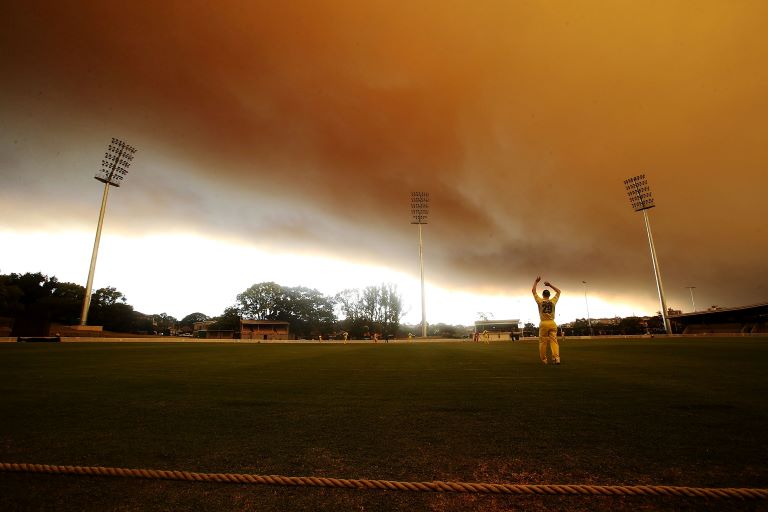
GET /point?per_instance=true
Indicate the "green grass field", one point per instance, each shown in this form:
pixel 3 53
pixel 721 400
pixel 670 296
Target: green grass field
pixel 690 412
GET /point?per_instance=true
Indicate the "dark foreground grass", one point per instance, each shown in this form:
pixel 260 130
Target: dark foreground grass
pixel 677 412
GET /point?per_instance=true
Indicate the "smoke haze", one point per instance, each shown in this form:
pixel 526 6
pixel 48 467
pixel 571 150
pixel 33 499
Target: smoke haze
pixel 304 128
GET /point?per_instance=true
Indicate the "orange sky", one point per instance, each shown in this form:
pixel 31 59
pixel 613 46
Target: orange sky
pixel 307 127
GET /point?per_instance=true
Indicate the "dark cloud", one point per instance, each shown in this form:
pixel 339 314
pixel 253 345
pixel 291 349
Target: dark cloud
pixel 309 125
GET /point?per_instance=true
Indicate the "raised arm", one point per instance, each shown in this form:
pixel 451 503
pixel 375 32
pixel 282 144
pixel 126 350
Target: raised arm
pixel 533 288
pixel 557 290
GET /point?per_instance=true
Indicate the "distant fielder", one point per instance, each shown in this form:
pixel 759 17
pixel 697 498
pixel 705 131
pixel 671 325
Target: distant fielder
pixel 547 326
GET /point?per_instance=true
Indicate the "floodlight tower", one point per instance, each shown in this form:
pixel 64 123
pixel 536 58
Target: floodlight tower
pixel 419 213
pixel 114 168
pixel 641 199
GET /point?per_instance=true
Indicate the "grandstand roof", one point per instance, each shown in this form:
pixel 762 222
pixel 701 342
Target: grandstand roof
pixel 710 315
pixel 514 321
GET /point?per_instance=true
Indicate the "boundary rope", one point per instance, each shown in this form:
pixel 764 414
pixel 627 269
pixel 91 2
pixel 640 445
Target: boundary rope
pixel 390 485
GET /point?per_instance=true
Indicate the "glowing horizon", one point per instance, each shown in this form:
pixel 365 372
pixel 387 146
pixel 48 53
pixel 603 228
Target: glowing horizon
pixel 180 274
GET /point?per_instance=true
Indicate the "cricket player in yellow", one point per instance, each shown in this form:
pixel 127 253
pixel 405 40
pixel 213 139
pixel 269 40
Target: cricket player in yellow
pixel 547 326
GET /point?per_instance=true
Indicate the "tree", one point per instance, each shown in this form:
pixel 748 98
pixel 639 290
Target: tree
pixel 110 308
pixel 187 324
pixel 655 324
pixel 119 317
pixel 581 327
pixel 308 311
pixel 34 286
pixel 143 324
pixel 11 295
pixel 448 331
pixel 632 325
pixel 392 307
pixel 35 295
pixel 349 305
pixel 261 301
pixel 378 307
pixel 370 308
pixel 190 319
pixel 228 321
pixel 107 297
pixel 529 329
pixel 65 303
pixel 164 323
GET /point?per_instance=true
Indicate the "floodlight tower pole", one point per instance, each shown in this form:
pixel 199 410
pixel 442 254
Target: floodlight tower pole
pixel 423 295
pixel 640 196
pixel 693 303
pixel 114 168
pixel 94 254
pixel 419 213
pixel 657 271
pixel 586 301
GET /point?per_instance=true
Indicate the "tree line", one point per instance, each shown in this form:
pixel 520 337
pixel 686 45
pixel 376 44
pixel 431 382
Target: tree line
pixel 30 300
pixel 35 299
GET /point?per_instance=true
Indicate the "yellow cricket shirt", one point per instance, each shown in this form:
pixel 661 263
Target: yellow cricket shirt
pixel 547 307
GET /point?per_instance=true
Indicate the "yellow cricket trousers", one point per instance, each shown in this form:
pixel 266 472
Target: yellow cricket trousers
pixel 548 335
